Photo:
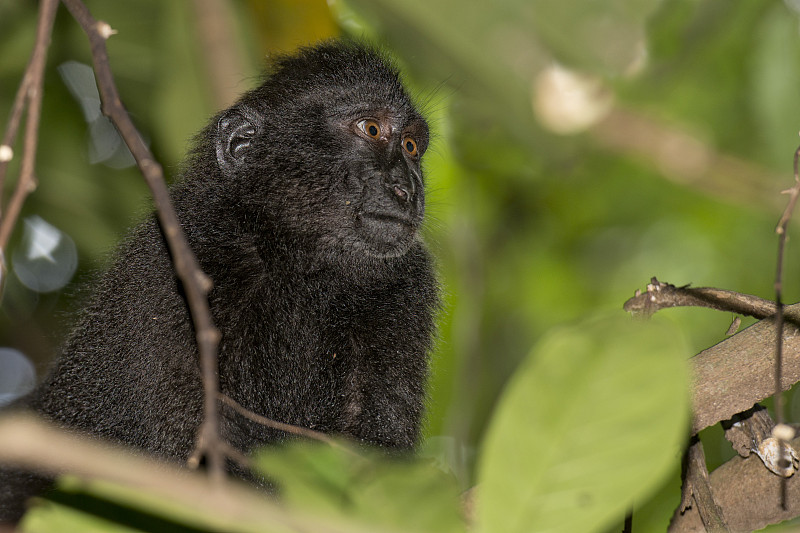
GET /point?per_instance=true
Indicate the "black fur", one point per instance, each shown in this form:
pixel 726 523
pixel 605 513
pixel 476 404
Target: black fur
pixel 323 290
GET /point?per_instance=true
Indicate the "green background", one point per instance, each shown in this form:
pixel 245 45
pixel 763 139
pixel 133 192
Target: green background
pixel 532 229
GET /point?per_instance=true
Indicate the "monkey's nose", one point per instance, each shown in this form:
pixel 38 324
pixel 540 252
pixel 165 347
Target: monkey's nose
pixel 401 192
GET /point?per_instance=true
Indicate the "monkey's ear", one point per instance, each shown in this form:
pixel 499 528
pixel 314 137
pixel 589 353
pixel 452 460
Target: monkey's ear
pixel 235 130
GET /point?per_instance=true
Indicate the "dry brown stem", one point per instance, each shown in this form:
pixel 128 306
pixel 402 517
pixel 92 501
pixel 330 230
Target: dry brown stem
pixel 196 284
pixel 274 424
pixel 30 93
pixel 748 495
pixel 696 490
pixel 659 295
pixel 227 506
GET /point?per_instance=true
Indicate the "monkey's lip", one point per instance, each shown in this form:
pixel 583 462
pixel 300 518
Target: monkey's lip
pixel 388 218
pixel 384 232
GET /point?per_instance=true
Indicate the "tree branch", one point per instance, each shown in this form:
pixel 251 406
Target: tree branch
pixel 696 492
pixel 748 495
pixel 214 32
pixel 737 373
pixel 274 424
pixel 685 159
pixel 30 91
pixel 659 295
pixel 195 283
pixel 35 445
pixel 781 230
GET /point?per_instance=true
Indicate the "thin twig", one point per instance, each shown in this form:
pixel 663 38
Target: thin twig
pixel 660 295
pixel 781 230
pixel 196 284
pixel 30 90
pixel 274 424
pixel 12 126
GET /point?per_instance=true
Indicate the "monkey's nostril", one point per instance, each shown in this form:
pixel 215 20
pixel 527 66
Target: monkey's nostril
pixel 401 192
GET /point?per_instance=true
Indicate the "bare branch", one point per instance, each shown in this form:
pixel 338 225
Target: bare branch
pixel 30 90
pixel 696 490
pixel 35 445
pixel 214 31
pixel 748 496
pixel 793 193
pixel 745 431
pixel 12 127
pixel 686 159
pixel 659 295
pixel 280 426
pixel 195 283
pixel 781 230
pixel 737 373
pixel 753 432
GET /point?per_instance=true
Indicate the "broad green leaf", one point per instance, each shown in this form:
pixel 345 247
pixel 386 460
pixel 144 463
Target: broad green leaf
pixel 48 517
pixel 371 490
pixel 592 422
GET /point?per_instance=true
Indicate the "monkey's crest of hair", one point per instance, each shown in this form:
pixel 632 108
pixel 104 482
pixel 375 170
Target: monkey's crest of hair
pixel 363 74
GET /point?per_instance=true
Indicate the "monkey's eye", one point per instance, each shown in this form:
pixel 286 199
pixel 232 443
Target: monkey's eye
pixel 371 128
pixel 410 146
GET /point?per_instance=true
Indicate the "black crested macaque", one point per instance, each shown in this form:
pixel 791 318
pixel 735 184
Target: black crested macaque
pixel 303 203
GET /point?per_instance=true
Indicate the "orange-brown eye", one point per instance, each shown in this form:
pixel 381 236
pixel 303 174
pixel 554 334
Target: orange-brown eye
pixel 410 146
pixel 371 128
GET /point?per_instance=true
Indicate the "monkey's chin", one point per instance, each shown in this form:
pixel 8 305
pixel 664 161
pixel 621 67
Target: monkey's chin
pixel 385 236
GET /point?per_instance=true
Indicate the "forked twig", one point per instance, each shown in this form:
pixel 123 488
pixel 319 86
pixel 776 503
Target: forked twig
pixel 784 432
pixel 659 295
pixel 280 426
pixel 30 92
pixel 195 283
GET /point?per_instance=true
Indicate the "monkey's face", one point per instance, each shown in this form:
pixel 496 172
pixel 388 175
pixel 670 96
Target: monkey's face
pixel 327 152
pixel 347 179
pixel 377 192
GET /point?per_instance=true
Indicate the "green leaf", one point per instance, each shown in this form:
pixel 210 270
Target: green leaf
pixel 592 422
pixel 398 495
pixel 48 517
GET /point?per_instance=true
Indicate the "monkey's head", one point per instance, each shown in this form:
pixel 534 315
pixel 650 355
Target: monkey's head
pixel 328 150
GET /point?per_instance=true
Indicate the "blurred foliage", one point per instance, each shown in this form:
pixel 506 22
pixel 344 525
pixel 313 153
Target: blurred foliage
pixel 583 430
pixel 337 482
pixel 532 228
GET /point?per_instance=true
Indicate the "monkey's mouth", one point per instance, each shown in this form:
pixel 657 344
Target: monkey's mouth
pixel 386 232
pixel 387 219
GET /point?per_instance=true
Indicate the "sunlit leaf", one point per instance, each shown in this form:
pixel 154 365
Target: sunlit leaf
pixel 591 423
pixel 49 517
